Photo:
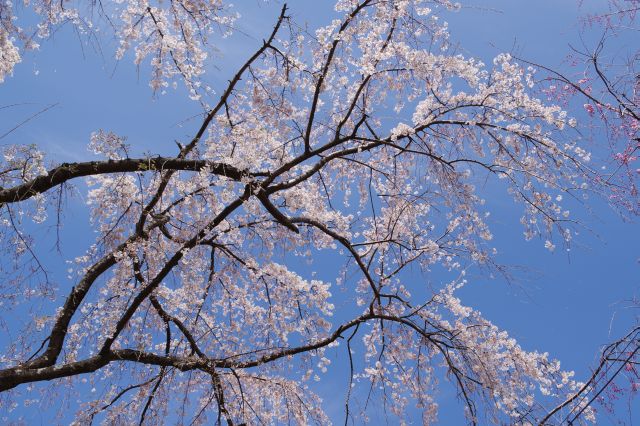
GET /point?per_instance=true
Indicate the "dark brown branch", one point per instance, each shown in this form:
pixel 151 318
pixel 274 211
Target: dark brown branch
pixel 170 318
pixel 71 305
pixel 122 393
pixel 277 214
pixel 168 267
pixel 11 378
pixel 347 244
pixel 325 71
pixel 232 84
pixel 590 384
pixel 68 171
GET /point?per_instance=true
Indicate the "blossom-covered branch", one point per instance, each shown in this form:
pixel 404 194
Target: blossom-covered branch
pixel 364 143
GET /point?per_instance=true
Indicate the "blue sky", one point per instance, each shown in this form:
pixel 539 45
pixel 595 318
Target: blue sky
pixel 567 302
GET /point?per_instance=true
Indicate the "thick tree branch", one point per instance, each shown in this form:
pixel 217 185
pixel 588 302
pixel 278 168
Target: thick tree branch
pixel 68 171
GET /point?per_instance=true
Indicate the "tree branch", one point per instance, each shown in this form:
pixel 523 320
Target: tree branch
pixel 68 171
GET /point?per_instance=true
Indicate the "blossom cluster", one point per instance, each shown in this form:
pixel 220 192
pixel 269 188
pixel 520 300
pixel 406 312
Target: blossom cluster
pixel 336 172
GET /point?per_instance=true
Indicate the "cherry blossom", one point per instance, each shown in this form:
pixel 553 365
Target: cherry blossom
pixel 365 141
